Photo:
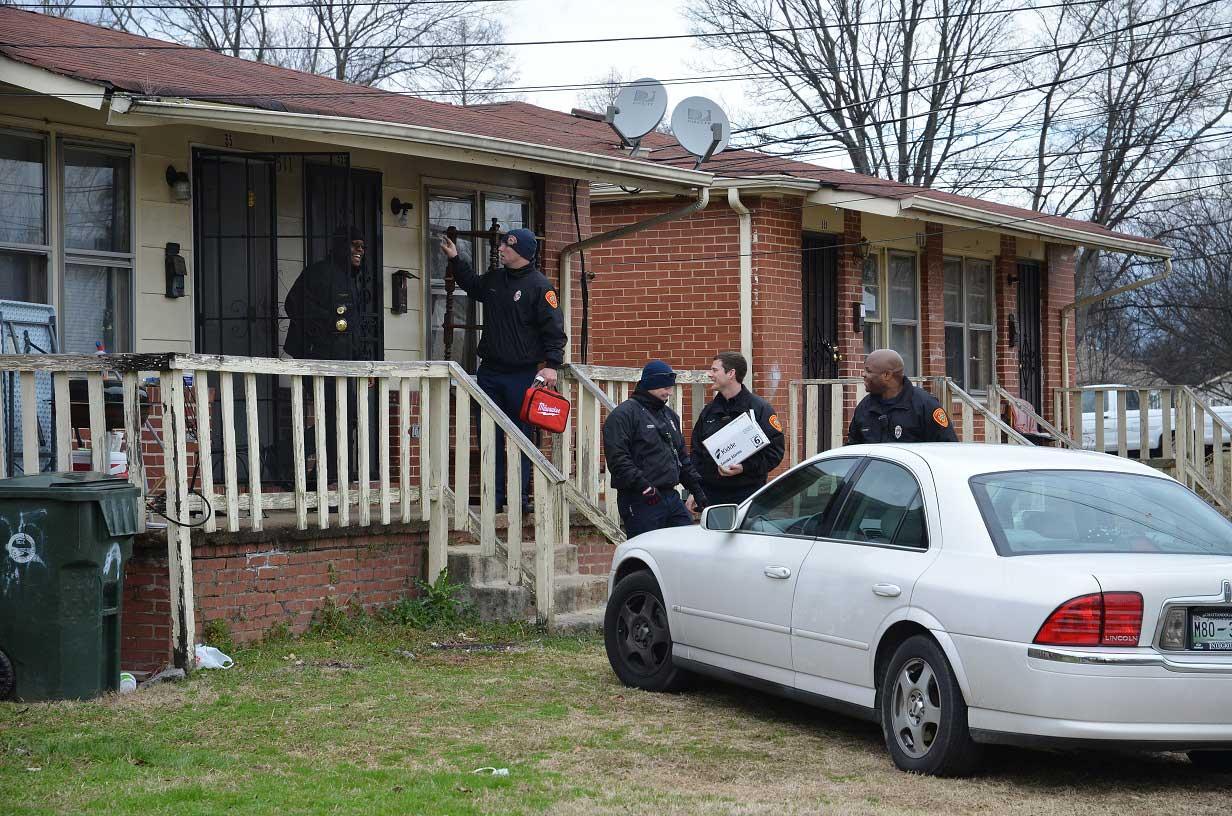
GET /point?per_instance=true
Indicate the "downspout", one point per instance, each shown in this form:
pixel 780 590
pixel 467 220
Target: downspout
pixel 745 219
pixel 567 253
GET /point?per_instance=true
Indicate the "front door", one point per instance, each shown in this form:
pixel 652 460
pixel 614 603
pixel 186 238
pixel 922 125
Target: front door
pixel 819 266
pixel 1029 357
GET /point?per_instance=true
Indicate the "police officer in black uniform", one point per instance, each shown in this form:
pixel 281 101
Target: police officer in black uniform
pixel 735 483
pixel 326 307
pixel 895 410
pixel 522 327
pixel 645 454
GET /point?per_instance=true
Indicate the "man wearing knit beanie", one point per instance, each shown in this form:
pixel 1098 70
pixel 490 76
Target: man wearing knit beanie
pixel 523 332
pixel 647 458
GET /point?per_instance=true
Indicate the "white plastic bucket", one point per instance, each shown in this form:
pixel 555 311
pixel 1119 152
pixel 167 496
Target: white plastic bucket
pixel 83 459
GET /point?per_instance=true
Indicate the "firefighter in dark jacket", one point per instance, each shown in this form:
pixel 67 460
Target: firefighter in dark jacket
pixel 735 483
pixel 645 453
pixel 895 410
pixel 522 327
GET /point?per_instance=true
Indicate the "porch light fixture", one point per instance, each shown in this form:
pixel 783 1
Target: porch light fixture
pixel 178 182
pixel 864 248
pixel 400 208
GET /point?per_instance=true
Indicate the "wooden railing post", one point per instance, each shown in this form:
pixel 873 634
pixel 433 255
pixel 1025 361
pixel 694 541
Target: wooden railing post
pixel 179 549
pixel 438 430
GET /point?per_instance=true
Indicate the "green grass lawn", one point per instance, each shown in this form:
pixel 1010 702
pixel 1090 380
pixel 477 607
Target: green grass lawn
pixel 349 725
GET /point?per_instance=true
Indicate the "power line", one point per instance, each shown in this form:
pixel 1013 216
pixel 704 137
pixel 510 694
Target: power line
pixel 580 41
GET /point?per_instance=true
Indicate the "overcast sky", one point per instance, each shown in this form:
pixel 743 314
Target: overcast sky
pixel 577 19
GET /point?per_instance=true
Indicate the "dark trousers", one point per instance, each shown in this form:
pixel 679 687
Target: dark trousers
pixel 719 493
pixel 637 516
pixel 507 390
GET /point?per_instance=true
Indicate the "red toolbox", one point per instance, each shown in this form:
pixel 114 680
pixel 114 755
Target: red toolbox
pixel 544 409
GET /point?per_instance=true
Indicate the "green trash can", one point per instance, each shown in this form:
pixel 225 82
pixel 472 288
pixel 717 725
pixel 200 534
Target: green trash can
pixel 67 538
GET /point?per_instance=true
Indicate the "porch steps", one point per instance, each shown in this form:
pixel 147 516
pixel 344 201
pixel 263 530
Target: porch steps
pixel 486 585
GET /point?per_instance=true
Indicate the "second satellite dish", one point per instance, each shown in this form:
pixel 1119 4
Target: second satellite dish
pixel 637 109
pixel 701 127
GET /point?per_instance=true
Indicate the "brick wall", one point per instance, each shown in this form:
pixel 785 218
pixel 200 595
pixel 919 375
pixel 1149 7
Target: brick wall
pixel 778 352
pixel 850 290
pixel 1006 267
pixel 254 582
pixel 932 302
pixel 1058 284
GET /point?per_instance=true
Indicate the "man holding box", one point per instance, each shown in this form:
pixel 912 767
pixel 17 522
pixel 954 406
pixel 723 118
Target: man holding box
pixel 735 482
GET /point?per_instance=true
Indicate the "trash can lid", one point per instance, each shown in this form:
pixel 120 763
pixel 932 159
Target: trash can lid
pixel 73 486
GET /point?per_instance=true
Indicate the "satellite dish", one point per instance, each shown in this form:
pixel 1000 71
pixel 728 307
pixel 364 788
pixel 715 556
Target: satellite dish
pixel 701 127
pixel 637 109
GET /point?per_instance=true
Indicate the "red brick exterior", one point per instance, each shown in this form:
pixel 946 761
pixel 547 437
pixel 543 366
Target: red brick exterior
pixel 254 581
pixel 1058 293
pixel 932 302
pixel 778 349
pixel 1005 267
pixel 850 290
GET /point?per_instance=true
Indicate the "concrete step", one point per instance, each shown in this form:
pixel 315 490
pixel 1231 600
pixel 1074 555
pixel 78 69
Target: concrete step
pixel 581 620
pixel 500 601
pixel 467 566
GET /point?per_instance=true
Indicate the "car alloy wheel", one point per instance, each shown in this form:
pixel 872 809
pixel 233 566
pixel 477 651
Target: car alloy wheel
pixel 923 713
pixel 916 708
pixel 637 635
pixel 642 633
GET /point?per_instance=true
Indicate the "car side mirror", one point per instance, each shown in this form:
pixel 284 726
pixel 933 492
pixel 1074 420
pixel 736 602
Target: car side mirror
pixel 720 518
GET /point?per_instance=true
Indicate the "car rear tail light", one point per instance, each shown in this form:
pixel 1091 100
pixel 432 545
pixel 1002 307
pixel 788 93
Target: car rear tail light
pixel 1098 619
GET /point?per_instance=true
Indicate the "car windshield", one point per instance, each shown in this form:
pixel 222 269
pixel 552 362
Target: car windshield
pixel 1079 511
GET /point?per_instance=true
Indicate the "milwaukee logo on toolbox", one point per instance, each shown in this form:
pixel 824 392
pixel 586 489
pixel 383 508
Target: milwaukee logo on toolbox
pixel 544 409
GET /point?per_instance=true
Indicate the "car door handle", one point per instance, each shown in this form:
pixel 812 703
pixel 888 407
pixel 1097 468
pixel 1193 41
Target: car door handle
pixel 887 590
pixel 777 572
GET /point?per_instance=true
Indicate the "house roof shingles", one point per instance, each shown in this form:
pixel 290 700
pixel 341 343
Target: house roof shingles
pixel 147 67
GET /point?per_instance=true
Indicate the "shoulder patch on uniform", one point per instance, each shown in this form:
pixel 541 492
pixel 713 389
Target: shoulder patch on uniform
pixel 940 418
pixel 775 423
pixel 551 299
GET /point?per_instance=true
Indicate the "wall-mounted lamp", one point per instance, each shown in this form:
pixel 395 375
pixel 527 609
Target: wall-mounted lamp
pixel 178 182
pixel 399 290
pixel 400 208
pixel 864 249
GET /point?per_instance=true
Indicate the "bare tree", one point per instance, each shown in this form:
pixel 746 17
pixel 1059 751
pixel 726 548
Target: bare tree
pixel 472 71
pixel 238 28
pixel 894 83
pixel 1137 93
pixel 603 91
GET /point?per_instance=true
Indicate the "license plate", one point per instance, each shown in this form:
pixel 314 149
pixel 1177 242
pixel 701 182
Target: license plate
pixel 1210 630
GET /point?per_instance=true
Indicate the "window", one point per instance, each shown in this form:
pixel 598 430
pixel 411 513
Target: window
pixel 893 321
pixel 884 507
pixel 969 322
pixel 96 306
pixel 797 503
pixel 466 211
pixel 24 247
pixel 1075 511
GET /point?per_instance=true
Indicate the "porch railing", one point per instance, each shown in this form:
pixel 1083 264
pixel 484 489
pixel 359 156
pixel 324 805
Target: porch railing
pixel 410 478
pixel 1170 427
pixel 821 410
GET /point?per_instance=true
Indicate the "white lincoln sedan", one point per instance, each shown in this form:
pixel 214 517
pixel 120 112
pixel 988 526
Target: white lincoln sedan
pixel 958 595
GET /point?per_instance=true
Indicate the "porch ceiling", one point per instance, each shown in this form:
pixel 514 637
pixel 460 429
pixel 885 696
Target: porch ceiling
pixel 403 139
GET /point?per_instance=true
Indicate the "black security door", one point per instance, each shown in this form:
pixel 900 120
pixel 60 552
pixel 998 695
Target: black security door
pixel 819 266
pixel 1029 356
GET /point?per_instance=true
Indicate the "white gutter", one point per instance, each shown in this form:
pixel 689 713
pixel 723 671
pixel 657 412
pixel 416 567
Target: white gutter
pixel 567 253
pixel 40 80
pixel 1034 226
pixel 425 141
pixel 745 219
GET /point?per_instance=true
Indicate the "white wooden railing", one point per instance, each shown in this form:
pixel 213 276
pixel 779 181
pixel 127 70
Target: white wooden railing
pixel 1171 427
pixel 822 411
pixel 432 400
